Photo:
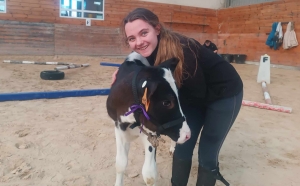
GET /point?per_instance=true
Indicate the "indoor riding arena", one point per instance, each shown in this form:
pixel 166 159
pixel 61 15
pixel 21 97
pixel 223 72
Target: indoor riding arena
pixel 55 130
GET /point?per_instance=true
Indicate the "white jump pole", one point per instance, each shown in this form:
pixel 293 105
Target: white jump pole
pixel 36 63
pixel 267 106
pixel 71 66
pixel 266 93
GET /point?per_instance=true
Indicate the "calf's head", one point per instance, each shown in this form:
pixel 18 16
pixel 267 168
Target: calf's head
pixel 163 107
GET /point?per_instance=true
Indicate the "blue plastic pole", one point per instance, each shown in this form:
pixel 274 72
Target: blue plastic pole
pixel 20 96
pixel 110 64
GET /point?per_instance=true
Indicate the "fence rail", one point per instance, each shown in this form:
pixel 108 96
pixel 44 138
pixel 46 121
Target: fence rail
pixel 236 3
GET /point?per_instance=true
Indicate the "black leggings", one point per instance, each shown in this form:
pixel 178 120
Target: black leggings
pixel 216 121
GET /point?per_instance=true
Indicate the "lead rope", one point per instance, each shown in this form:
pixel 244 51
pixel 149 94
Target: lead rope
pixel 153 139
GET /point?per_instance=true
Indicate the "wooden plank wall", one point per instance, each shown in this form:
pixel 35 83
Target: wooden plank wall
pixel 243 30
pixel 82 40
pixel 71 36
pixel 198 23
pixel 26 38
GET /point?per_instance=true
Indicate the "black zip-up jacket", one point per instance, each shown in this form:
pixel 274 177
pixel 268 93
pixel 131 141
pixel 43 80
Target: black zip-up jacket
pixel 214 79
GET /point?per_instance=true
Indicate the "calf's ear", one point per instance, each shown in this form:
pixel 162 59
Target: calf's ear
pixel 170 63
pixel 148 88
pixel 151 88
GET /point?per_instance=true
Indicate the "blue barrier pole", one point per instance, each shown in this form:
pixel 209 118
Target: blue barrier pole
pixel 110 64
pixel 20 96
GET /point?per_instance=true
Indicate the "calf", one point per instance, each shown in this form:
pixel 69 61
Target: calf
pixel 143 102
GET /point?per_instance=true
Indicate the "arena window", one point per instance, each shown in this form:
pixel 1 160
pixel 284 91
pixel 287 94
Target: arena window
pixel 2 6
pixel 93 9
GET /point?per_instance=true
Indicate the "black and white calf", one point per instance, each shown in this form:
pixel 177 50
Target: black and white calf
pixel 144 100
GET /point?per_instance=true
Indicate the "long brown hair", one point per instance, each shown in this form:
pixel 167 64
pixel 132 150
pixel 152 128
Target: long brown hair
pixel 169 44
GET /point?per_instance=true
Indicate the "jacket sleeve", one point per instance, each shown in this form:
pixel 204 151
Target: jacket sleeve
pixel 193 88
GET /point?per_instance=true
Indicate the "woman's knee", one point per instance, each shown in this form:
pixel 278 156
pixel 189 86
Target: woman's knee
pixel 195 120
pixel 185 151
pixel 212 138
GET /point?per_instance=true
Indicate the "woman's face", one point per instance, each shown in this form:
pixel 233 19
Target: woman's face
pixel 142 37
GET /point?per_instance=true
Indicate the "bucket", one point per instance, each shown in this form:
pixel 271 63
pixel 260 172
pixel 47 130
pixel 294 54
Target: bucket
pixel 227 57
pixel 240 58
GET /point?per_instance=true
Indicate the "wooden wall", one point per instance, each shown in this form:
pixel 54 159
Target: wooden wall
pixel 243 30
pixel 35 28
pixel 40 30
pixel 26 38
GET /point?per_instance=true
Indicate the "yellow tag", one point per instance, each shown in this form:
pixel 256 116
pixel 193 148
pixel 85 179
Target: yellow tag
pixel 145 101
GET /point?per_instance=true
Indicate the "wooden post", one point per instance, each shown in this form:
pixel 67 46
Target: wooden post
pixel 264 70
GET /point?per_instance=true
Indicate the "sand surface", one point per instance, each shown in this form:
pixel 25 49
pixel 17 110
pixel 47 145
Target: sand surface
pixel 70 141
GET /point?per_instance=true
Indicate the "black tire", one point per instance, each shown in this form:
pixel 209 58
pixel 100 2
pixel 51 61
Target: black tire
pixel 52 75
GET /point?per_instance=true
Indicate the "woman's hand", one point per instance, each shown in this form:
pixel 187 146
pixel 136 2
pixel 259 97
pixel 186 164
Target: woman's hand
pixel 113 77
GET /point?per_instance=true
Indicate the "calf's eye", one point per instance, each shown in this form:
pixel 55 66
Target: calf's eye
pixel 166 103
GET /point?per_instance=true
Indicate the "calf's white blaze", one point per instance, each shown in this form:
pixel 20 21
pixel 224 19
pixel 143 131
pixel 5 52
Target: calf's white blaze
pixel 185 132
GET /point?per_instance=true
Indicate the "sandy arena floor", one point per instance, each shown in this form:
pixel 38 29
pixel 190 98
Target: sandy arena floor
pixel 71 142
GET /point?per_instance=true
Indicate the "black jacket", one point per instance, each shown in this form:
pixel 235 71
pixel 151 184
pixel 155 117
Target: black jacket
pixel 214 79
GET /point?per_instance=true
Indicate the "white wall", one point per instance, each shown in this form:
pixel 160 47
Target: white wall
pixel 212 4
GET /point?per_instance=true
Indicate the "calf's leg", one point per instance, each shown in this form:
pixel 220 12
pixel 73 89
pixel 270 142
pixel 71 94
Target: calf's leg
pixel 149 168
pixel 122 156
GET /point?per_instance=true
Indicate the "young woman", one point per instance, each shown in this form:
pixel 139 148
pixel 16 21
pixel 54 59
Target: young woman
pixel 210 92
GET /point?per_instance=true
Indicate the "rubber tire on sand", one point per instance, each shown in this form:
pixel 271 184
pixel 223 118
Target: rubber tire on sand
pixel 52 75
